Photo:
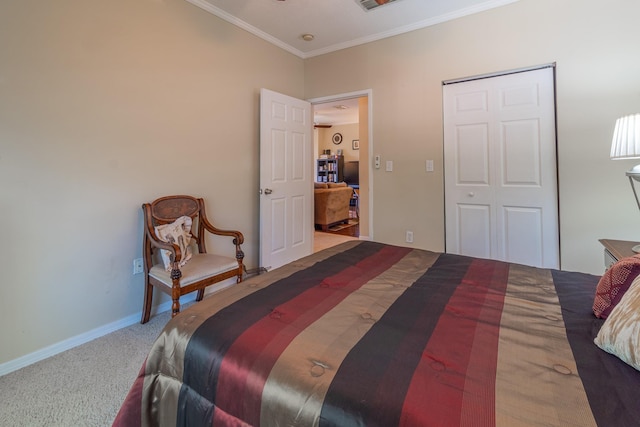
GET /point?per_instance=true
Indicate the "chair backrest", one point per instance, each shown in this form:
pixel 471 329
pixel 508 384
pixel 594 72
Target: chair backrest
pixel 166 210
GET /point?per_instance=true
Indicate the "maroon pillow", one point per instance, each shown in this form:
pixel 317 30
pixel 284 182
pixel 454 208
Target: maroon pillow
pixel 614 283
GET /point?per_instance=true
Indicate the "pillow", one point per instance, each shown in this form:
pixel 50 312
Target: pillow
pixel 320 185
pixel 620 333
pixel 337 184
pixel 614 283
pixel 179 233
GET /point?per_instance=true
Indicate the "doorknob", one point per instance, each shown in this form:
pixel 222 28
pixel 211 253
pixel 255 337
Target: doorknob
pixel 268 191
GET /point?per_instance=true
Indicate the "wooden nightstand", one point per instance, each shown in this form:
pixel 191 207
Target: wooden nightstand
pixel 615 250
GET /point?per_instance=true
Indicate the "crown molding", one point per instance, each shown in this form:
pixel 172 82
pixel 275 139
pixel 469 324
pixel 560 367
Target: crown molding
pixel 412 27
pixel 247 27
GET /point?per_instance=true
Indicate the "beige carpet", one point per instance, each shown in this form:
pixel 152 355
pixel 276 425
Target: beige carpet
pixel 84 386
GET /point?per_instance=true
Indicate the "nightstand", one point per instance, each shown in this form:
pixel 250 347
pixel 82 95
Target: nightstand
pixel 615 250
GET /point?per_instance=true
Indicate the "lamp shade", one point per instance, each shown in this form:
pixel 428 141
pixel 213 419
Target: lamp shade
pixel 626 138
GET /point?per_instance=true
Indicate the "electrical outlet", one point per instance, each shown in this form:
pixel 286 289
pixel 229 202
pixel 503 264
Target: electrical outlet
pixel 137 266
pixel 409 236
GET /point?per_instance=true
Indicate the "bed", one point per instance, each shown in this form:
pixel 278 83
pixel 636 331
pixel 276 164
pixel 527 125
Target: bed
pixel 368 334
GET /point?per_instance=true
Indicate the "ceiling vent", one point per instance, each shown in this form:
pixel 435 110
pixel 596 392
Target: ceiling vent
pixel 372 4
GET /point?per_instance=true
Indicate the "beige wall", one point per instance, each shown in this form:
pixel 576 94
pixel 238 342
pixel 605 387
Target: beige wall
pixel 105 105
pixel 349 132
pixel 594 44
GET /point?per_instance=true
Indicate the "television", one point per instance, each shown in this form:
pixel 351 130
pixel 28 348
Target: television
pixel 350 173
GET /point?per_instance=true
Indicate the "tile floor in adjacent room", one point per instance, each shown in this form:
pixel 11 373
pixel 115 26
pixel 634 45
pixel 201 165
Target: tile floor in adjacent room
pixel 326 240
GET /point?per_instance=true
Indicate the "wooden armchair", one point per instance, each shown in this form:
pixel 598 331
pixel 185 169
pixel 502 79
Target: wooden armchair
pixel 201 270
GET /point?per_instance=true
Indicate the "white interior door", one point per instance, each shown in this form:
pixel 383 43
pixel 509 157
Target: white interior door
pixel 286 179
pixel 501 192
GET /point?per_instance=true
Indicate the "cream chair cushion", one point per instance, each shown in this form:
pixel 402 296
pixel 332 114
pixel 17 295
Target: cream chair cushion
pixel 199 267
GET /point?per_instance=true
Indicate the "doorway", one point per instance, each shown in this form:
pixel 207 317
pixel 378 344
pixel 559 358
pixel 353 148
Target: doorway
pixel 501 191
pixel 341 138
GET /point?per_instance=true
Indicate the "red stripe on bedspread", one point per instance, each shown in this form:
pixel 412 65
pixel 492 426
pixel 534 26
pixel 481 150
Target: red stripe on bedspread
pixel 243 373
pixel 458 366
pixel 130 414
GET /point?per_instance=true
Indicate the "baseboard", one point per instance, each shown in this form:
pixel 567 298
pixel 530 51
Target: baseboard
pixel 68 344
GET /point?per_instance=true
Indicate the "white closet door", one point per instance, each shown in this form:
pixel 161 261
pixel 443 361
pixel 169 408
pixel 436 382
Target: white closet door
pixel 501 192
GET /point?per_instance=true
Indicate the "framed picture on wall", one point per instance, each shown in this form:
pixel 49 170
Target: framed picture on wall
pixel 355 144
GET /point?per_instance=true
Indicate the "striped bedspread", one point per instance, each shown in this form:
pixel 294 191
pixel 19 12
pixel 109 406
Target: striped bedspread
pixel 367 334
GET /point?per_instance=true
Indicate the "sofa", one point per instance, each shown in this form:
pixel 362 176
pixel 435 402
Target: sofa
pixel 331 204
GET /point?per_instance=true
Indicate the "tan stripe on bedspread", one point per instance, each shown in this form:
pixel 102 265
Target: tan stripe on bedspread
pixel 537 375
pixel 315 355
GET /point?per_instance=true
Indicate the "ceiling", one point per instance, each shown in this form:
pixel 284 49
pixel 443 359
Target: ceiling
pixel 337 24
pixel 336 113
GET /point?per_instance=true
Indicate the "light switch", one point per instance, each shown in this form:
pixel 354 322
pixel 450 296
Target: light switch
pixel 389 165
pixel 429 165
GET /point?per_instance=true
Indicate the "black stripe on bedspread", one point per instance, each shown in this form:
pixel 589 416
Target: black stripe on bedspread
pixel 610 398
pixel 363 370
pixel 203 358
pixel 380 375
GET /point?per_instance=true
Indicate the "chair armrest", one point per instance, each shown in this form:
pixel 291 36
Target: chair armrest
pixel 237 235
pixel 238 238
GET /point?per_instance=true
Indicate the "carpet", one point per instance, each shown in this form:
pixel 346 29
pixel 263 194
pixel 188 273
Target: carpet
pixel 81 387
